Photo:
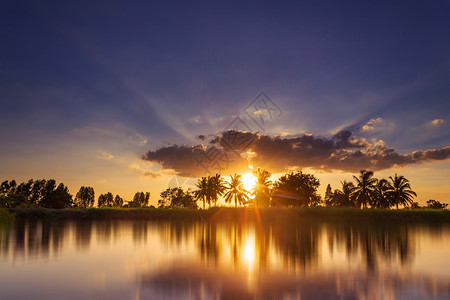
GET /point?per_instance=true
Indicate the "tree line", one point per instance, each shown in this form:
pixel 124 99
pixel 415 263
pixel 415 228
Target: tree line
pixel 297 189
pixel 47 194
pixel 294 189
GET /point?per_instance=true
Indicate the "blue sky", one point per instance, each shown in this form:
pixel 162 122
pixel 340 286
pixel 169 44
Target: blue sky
pixel 79 81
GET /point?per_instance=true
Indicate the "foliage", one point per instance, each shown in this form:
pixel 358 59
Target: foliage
pixel 344 197
pixel 118 201
pixel 365 188
pixel 399 191
pixel 106 200
pixel 176 198
pixel 380 195
pixel 236 190
pixel 140 199
pixel 436 204
pixel 85 197
pixel 43 193
pixel 262 188
pixel 301 187
pixel 415 205
pixel 216 187
pixel 56 198
pixel 209 189
pixel 369 191
pixel 328 194
pixel 202 192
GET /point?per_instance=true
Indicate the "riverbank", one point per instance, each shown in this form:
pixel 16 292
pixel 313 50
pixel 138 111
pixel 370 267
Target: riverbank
pixel 234 214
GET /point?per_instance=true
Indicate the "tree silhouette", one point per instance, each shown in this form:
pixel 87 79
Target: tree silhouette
pixel 85 197
pixel 436 204
pixel 415 205
pixel 202 192
pixel 43 192
pixel 140 199
pixel 177 197
pixel 118 201
pixel 365 186
pixel 105 200
pixel 399 191
pixel 236 190
pixel 328 195
pixel 261 191
pixel 7 190
pixel 36 191
pixel 344 197
pixel 381 199
pixel 216 187
pixel 301 187
pixel 56 198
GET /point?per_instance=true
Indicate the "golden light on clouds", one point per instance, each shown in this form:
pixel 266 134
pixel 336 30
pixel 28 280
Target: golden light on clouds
pixel 437 122
pixel 105 155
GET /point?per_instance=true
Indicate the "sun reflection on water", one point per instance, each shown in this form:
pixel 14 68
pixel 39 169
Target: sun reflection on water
pixel 241 260
pixel 249 252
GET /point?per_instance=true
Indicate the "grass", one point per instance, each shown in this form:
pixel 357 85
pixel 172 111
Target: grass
pixel 236 214
pixel 5 215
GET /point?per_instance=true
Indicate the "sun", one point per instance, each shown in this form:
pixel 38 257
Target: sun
pixel 249 181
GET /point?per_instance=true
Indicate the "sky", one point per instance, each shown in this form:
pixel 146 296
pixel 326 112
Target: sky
pixel 130 96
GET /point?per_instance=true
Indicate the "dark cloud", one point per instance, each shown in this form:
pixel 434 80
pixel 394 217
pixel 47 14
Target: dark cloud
pixel 232 151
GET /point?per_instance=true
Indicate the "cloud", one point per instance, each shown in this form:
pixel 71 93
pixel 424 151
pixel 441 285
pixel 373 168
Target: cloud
pixel 371 124
pixel 233 151
pixel 437 122
pixel 145 173
pixel 105 155
pixel 377 125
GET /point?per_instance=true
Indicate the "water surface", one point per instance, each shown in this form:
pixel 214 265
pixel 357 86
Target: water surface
pixel 197 260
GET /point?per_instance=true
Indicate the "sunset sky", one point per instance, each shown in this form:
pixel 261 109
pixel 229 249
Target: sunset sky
pixel 98 93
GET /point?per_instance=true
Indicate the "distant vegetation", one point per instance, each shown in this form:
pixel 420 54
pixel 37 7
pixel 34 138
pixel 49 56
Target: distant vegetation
pixel 295 189
pixel 47 194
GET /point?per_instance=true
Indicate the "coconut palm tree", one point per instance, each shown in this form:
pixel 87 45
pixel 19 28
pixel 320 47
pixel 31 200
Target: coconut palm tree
pixel 380 199
pixel 364 190
pixel 216 187
pixel 344 197
pixel 236 189
pixel 399 191
pixel 202 192
pixel 261 191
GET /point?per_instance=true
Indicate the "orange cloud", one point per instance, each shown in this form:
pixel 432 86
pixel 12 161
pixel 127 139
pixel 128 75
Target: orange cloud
pixel 228 153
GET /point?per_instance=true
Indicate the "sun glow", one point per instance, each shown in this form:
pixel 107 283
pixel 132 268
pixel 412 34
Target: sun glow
pixel 249 251
pixel 249 181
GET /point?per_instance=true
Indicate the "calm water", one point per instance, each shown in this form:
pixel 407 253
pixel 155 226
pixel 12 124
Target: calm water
pixel 156 260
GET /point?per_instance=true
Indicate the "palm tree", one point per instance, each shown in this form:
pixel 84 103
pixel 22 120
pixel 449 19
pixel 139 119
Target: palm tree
pixel 365 185
pixel 380 198
pixel 343 198
pixel 399 191
pixel 262 187
pixel 236 189
pixel 216 187
pixel 202 192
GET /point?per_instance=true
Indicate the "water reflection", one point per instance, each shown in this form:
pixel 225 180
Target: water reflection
pixel 295 246
pixel 254 260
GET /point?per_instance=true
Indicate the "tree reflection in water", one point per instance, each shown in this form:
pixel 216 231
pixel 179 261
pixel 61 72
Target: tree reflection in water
pixel 246 260
pixel 293 246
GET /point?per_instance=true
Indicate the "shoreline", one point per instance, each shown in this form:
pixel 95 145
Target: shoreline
pixel 231 214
